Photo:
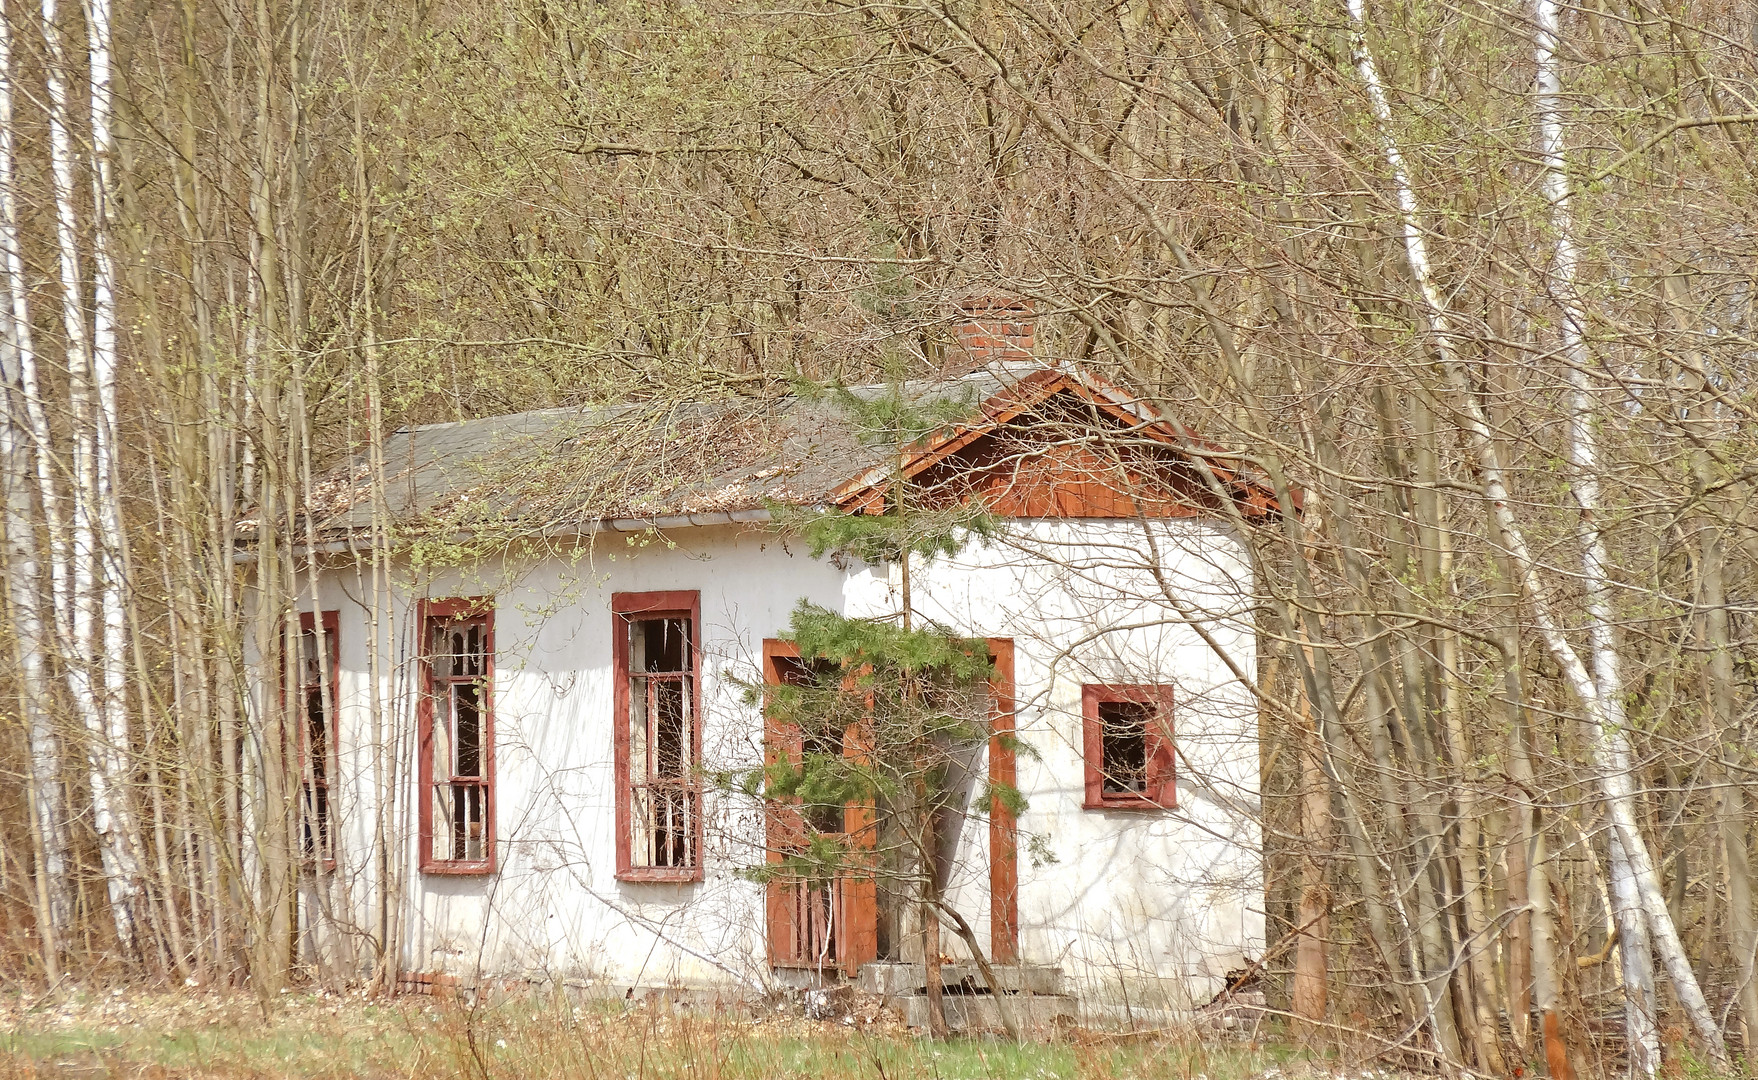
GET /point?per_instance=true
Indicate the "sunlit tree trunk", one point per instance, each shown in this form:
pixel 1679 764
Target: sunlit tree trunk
pixel 96 671
pixel 1635 885
pixel 52 896
pixel 1312 920
pixel 1610 738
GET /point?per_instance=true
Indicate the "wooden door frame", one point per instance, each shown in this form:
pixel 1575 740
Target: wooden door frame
pixel 861 924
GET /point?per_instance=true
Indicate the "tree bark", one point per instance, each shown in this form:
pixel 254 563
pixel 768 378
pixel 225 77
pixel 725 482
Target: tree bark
pixel 21 435
pixel 1610 738
pixel 96 672
pixel 1313 912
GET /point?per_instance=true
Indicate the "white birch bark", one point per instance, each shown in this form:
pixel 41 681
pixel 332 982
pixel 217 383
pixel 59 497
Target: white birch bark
pixel 97 627
pixel 1611 746
pixel 1636 958
pixel 18 431
pixel 1636 878
pixel 107 462
pixel 1634 950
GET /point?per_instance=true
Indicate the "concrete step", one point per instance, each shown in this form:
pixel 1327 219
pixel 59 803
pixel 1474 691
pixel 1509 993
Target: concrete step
pixel 1035 1014
pixel 897 980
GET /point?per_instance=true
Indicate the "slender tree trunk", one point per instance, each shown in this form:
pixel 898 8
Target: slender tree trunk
pixel 20 436
pixel 1547 974
pixel 1636 957
pixel 376 582
pixel 1517 939
pixel 130 891
pixel 1732 806
pixel 1313 911
pixel 99 653
pixel 276 797
pixel 1640 1022
pixel 1719 691
pixel 1610 738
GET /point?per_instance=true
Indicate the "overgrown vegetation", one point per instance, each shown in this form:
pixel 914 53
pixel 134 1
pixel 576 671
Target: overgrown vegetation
pixel 875 727
pixel 1472 280
pixel 537 1036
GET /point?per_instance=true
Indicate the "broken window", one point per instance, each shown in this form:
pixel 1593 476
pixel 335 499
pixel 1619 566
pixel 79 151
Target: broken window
pixel 457 760
pixel 1128 746
pixel 316 699
pixel 659 737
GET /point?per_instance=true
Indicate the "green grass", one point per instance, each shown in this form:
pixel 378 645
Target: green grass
pixel 306 1036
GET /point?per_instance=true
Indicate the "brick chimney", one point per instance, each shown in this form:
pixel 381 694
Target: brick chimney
pixel 990 327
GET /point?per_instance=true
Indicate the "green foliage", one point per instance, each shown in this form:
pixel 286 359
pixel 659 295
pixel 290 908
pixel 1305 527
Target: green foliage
pixel 880 538
pixel 878 656
pixel 896 421
pixel 906 701
pixel 883 708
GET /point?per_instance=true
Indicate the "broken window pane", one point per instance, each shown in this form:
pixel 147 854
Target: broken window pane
pixel 459 671
pixel 318 704
pixel 662 743
pixel 1124 731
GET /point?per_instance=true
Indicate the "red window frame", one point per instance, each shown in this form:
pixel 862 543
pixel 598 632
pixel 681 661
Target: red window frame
pixel 432 613
pixel 316 813
pixel 627 609
pixel 1160 788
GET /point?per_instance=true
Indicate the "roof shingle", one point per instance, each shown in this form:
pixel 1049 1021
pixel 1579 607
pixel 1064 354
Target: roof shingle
pixel 560 470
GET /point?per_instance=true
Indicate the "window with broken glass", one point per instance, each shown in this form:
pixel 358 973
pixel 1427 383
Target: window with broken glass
pixel 318 661
pixel 458 740
pixel 659 736
pixel 807 914
pixel 1128 747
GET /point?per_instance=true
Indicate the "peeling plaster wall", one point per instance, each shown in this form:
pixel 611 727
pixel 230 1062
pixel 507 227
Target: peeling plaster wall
pixel 1141 909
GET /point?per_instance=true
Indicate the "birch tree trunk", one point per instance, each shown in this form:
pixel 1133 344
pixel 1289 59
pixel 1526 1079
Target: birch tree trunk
pixel 96 671
pixel 30 652
pixel 26 430
pixel 1636 957
pixel 1627 853
pixel 127 885
pixel 1610 739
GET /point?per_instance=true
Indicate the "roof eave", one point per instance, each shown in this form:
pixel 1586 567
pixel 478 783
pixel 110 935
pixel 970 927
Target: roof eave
pixel 660 522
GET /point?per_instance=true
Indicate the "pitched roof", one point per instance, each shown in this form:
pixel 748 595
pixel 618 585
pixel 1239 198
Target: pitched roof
pixel 559 471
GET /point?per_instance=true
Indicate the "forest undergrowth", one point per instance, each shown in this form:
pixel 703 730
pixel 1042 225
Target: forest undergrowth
pixel 129 1033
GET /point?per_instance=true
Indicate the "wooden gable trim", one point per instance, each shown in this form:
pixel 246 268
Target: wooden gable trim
pixel 862 493
pixel 865 493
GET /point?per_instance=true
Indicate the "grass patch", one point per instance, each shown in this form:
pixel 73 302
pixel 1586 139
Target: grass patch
pixel 309 1036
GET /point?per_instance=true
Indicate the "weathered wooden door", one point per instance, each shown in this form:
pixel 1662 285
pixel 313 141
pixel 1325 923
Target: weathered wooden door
pixel 833 924
pixel 815 923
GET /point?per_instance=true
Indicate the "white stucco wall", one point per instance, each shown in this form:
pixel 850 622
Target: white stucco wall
pixel 1139 907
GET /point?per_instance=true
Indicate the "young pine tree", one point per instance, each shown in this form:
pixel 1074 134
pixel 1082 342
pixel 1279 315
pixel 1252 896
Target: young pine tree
pixel 886 713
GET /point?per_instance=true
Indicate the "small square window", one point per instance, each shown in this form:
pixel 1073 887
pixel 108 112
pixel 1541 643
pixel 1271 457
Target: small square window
pixel 1128 747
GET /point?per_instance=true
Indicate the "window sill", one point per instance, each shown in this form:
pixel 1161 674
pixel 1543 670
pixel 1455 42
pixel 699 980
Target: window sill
pixel 660 876
pixel 459 869
pixel 1130 802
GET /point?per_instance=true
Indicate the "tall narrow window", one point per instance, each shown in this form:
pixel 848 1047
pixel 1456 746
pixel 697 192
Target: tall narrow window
pixel 1128 747
pixel 457 760
pixel 316 703
pixel 658 736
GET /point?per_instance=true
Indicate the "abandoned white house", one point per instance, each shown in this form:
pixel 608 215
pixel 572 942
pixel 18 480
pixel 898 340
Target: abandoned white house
pixel 579 597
